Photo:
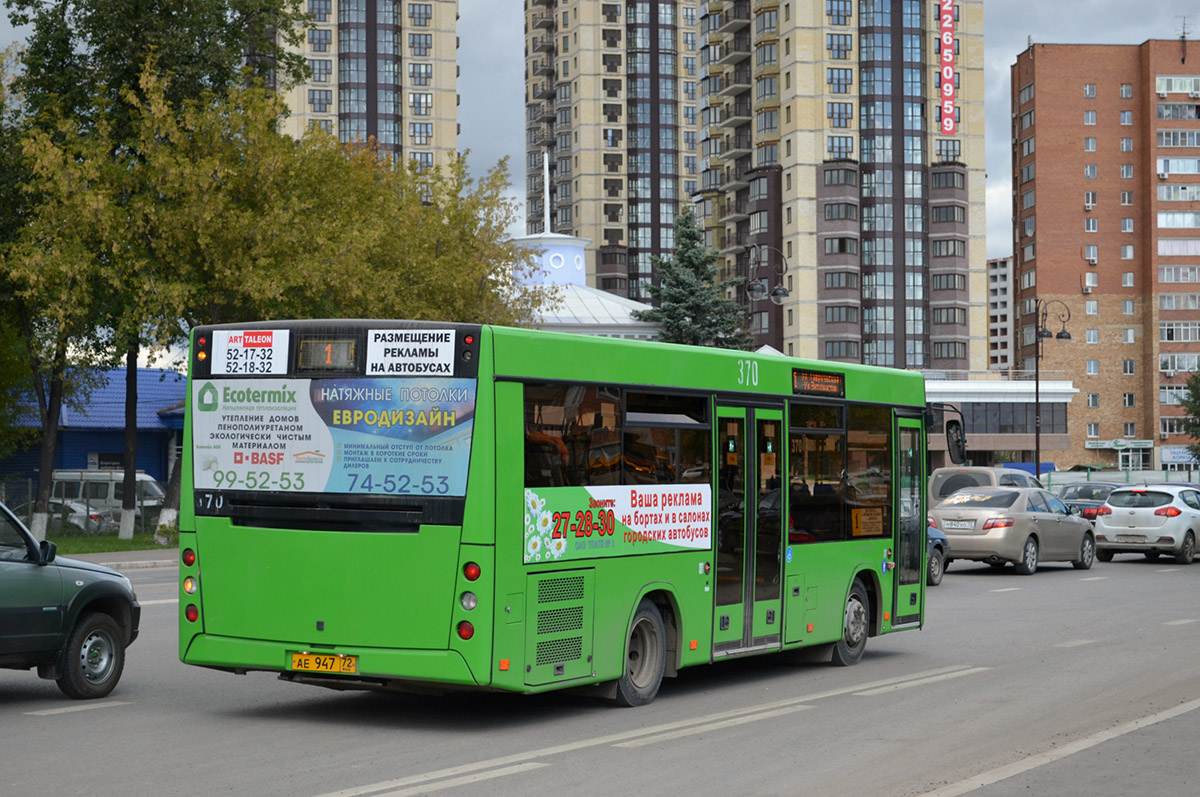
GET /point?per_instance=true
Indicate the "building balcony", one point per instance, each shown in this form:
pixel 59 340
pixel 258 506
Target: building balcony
pixel 545 21
pixel 733 211
pixel 543 44
pixel 546 113
pixel 735 17
pixel 547 3
pixel 736 51
pixel 736 113
pixel 543 91
pixel 734 243
pixel 737 145
pixel 544 68
pixel 763 5
pixel 736 177
pixel 735 82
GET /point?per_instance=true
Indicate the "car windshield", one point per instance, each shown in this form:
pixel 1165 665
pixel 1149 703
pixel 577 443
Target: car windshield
pixel 1139 499
pixel 1085 492
pixel 981 499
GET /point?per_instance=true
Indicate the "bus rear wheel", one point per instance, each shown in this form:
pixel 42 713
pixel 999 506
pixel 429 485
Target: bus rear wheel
pixel 645 657
pixel 849 649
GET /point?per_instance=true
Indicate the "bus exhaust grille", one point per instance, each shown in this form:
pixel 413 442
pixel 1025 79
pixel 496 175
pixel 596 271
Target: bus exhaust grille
pixel 560 589
pixel 553 651
pixel 557 621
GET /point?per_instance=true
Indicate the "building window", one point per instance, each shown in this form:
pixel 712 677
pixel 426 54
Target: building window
pixel 320 39
pixel 1127 307
pixel 420 43
pixel 1089 117
pixel 1089 144
pixel 1126 198
pixel 322 69
pixel 1126 117
pixel 1126 171
pixel 319 100
pixel 839 147
pixel 1093 367
pixel 1127 145
pixel 423 160
pixel 420 104
pixel 1089 171
pixel 1126 91
pixel 420 133
pixel 1130 427
pixel 839 113
pixel 420 74
pixel 838 45
pixel 1127 279
pixel 1093 400
pixel 841 349
pixel 1091 307
pixel 420 14
pixel 838 11
pixel 1093 336
pixel 1089 90
pixel 1127 367
pixel 839 79
pixel 1093 430
pixel 1090 224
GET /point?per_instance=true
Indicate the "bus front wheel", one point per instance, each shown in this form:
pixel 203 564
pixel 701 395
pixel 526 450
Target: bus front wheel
pixel 645 657
pixel 850 647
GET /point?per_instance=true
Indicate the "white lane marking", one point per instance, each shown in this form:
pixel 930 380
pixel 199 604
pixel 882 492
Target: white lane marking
pixel 920 682
pixel 1008 589
pixel 1168 570
pixel 712 726
pixel 1179 622
pixel 86 707
pixel 1074 643
pixel 615 738
pixel 1041 759
pixel 159 602
pixel 1094 578
pixel 465 780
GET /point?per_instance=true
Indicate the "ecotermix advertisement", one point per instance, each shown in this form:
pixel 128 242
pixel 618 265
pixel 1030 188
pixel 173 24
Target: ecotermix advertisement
pixel 380 436
pixel 566 523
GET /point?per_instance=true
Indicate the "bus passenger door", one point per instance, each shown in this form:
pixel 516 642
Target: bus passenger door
pixel 910 534
pixel 750 519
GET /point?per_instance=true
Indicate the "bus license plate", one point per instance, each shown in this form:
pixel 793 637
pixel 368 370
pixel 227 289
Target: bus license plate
pixel 319 662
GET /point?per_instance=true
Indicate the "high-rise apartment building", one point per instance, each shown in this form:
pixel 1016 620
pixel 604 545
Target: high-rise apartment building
pixel 611 109
pixel 1000 314
pixel 1106 179
pixel 382 69
pixel 842 175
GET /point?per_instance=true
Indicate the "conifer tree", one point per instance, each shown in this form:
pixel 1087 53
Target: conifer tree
pixel 694 308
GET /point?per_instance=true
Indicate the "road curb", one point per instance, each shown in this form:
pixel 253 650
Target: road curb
pixel 143 565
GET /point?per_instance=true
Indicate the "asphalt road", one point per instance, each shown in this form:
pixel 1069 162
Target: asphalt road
pixel 1065 682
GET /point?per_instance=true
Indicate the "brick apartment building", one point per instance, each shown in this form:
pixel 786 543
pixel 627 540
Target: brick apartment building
pixel 1106 209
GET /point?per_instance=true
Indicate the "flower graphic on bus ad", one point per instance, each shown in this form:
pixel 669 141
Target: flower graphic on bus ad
pixel 569 523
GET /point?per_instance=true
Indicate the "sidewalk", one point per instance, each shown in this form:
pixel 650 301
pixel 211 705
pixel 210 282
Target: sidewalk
pixel 133 560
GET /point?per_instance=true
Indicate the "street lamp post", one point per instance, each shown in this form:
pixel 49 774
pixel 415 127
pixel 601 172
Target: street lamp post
pixel 1062 316
pixel 758 289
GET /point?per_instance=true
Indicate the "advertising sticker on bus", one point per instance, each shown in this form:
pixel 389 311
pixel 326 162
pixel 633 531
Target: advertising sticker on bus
pixel 361 436
pixel 567 523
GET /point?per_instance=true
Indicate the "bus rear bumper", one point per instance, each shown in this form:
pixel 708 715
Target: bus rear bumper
pixel 376 667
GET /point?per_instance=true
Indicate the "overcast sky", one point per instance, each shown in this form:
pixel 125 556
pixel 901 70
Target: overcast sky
pixel 492 79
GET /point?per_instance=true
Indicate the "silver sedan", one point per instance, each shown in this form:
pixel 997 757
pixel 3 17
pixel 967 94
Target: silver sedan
pixel 1022 525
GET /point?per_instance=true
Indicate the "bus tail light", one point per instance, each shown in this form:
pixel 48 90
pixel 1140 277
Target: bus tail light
pixel 998 523
pixel 188 557
pixel 1168 511
pixel 472 571
pixel 189 585
pixel 191 613
pixel 465 629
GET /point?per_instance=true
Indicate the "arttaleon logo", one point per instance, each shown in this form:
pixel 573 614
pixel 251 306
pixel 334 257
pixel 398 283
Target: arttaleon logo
pixel 252 340
pixel 308 456
pixel 207 398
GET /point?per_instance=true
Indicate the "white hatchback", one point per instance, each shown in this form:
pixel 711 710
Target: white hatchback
pixel 1151 520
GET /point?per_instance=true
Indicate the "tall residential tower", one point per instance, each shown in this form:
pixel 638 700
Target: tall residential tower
pixel 611 104
pixel 842 175
pixel 382 69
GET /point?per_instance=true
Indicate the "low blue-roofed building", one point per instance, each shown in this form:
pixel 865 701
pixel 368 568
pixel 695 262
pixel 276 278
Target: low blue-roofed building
pixel 92 435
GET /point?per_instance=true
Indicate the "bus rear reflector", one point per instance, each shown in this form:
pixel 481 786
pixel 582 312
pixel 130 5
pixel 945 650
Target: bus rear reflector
pixel 472 571
pixel 465 630
pixel 188 557
pixel 191 613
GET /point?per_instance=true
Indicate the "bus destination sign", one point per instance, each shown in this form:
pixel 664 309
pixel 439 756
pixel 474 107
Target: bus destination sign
pixel 818 383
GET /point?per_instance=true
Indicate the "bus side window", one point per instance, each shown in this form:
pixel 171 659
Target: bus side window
pixel 572 435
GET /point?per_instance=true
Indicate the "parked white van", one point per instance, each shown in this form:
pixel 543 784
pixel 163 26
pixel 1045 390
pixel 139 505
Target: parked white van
pixel 106 488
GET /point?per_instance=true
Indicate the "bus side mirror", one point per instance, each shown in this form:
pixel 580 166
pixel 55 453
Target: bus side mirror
pixel 956 443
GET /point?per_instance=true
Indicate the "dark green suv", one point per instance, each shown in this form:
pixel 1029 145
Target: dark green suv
pixel 70 619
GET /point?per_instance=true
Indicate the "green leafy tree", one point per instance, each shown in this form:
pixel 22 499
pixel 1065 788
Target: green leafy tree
pixel 694 308
pixel 1191 404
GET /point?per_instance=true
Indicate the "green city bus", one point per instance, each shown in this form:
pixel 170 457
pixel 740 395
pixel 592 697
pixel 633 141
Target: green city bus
pixel 398 504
